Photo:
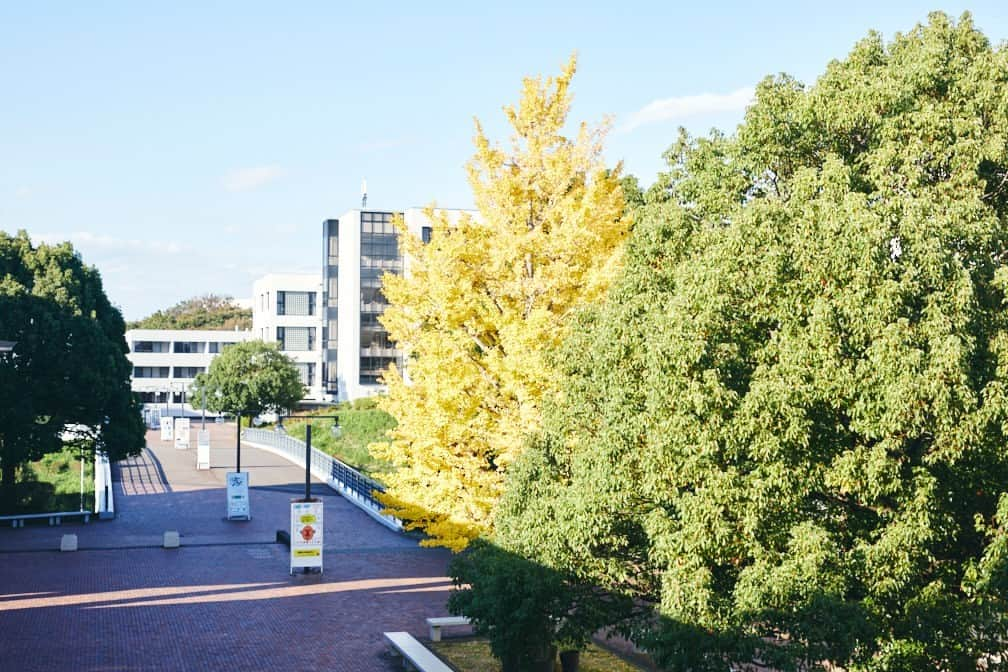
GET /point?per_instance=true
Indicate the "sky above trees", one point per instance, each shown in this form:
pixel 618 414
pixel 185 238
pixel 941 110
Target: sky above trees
pixel 190 149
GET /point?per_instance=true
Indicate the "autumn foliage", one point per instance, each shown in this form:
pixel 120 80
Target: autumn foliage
pixel 483 300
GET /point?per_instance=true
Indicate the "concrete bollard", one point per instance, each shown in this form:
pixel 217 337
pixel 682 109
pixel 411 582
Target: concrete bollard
pixel 171 539
pixel 68 542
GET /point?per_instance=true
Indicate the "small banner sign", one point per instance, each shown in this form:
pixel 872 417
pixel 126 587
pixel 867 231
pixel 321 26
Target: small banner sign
pixel 166 427
pixel 306 535
pixel 182 433
pixel 238 496
pixel 203 449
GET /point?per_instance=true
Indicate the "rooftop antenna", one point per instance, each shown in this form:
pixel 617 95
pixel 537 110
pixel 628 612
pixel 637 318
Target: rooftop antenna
pixel 363 193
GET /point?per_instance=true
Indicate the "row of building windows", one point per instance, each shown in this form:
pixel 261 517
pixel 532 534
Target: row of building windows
pixel 181 347
pixel 377 222
pixel 161 397
pixel 163 371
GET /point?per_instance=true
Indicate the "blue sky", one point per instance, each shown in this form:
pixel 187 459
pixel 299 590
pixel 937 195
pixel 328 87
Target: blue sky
pixel 189 148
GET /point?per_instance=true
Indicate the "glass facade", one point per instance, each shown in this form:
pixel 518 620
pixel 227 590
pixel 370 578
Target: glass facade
pixel 379 254
pixel 330 266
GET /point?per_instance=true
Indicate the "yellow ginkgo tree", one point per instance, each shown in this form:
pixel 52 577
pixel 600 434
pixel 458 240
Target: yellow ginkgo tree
pixel 483 301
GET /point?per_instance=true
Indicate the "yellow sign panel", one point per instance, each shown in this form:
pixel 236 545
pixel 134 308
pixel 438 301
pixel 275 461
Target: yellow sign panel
pixel 307 552
pixel 308 519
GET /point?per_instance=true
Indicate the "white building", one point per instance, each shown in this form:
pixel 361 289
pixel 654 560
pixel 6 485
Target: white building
pixel 288 309
pixel 359 247
pixel 165 361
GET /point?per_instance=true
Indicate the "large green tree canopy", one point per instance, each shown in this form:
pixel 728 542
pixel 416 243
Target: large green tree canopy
pixel 69 369
pixel 786 428
pixel 249 378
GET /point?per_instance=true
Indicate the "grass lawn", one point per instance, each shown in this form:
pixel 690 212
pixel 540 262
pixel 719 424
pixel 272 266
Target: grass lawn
pixel 360 424
pixel 473 655
pixel 53 484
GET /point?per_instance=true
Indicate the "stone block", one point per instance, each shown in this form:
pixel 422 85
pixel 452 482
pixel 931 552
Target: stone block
pixel 171 539
pixel 68 542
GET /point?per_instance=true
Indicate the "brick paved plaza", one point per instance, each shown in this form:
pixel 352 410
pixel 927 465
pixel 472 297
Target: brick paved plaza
pixel 225 600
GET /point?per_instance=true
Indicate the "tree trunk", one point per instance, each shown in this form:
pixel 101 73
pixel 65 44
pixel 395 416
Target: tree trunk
pixel 570 661
pixel 8 487
pixel 542 660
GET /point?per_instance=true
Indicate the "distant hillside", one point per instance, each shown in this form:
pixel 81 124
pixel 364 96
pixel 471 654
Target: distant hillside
pixel 201 312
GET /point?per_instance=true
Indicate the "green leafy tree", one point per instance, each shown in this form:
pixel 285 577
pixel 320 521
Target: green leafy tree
pixel 527 610
pixel 201 312
pixel 786 427
pixel 68 376
pixel 249 378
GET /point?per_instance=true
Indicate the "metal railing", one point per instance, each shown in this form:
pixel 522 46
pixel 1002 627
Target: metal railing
pixel 104 499
pixel 353 485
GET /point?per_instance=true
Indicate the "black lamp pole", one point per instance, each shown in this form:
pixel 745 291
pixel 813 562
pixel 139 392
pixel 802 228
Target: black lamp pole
pixel 307 462
pixel 307 457
pixel 238 441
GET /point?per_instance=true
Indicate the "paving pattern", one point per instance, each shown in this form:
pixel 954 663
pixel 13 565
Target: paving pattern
pixel 225 600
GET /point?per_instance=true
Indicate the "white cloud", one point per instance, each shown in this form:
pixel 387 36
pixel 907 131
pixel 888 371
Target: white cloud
pixel 685 107
pixel 247 179
pixel 97 241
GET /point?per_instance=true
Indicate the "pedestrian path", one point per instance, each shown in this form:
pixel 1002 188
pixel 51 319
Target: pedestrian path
pixel 225 599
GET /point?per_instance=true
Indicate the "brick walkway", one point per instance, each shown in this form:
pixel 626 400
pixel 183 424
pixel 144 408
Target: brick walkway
pixel 225 600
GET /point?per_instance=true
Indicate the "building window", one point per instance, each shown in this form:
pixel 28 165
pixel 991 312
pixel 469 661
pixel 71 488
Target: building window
pixel 307 372
pixel 295 303
pixel 333 290
pixel 296 339
pixel 153 397
pixel 150 346
pixel 372 368
pixel 375 338
pixel 189 347
pixel 150 372
pixel 188 371
pixel 425 234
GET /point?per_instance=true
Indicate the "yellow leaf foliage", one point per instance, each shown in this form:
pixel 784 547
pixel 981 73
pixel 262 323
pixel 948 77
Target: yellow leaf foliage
pixel 482 302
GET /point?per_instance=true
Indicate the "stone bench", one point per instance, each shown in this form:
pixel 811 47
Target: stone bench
pixel 435 625
pixel 54 518
pixel 415 654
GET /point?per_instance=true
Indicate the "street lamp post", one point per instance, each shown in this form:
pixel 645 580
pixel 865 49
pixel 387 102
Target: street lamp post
pixel 308 430
pixel 238 440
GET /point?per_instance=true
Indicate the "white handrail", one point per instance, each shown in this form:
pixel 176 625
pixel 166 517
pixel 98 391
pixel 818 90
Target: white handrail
pixel 340 477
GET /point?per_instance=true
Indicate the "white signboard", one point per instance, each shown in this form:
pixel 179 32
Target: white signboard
pixel 237 495
pixel 203 449
pixel 166 428
pixel 182 433
pixel 306 535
